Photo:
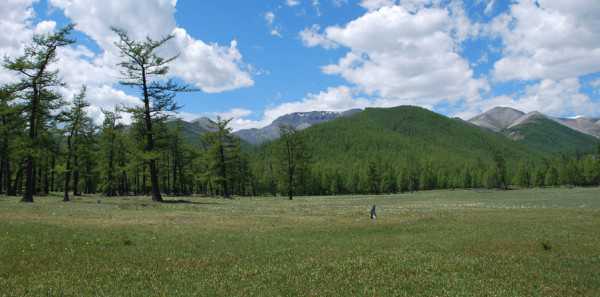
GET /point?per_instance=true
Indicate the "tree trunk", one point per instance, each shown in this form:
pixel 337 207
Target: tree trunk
pixel 46 179
pixel 7 178
pixel 76 191
pixel 17 183
pixel 175 185
pixel 2 175
pixel 68 171
pixel 110 190
pixel 291 168
pixel 223 170
pixel 156 196
pixel 52 188
pixel 29 164
pixel 144 187
pixel 137 181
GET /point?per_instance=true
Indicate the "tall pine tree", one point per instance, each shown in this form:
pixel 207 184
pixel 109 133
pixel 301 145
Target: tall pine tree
pixel 36 80
pixel 144 69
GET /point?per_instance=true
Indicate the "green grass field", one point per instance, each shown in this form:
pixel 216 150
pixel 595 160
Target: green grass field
pixel 440 243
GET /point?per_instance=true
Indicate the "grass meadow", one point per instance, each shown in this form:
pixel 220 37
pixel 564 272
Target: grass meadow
pixel 543 242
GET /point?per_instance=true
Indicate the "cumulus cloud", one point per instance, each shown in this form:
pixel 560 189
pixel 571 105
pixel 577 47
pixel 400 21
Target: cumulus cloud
pixel 548 39
pixel 236 115
pixel 552 97
pixel 15 24
pixel 339 98
pixel 333 99
pixel 311 37
pixel 210 67
pixel 405 56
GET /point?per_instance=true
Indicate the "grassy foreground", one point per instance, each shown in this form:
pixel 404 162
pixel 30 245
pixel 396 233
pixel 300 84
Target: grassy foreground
pixel 442 243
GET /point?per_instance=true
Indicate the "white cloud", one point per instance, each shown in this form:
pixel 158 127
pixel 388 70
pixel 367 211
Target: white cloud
pixel 210 67
pixel 44 27
pixel 340 98
pixel 333 99
pixel 236 115
pixel 403 56
pixel 292 2
pixel 556 98
pixel 317 6
pixel 339 3
pixel 311 37
pixel 548 39
pixel 595 83
pixel 270 19
pixel 376 4
pixel 15 25
pixel 489 7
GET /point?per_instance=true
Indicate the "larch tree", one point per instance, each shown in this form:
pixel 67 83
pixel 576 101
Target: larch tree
pixel 36 78
pixel 11 127
pixel 110 131
pixel 75 122
pixel 292 158
pixel 220 144
pixel 144 69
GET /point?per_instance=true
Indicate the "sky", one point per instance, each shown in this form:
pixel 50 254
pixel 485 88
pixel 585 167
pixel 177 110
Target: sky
pixel 254 61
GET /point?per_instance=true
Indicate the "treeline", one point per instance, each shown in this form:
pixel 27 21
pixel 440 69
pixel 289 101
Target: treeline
pixel 48 145
pixel 376 177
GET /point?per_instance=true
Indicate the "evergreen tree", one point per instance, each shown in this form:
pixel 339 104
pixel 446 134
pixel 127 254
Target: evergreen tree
pixel 220 147
pixel 293 158
pixel 551 176
pixel 75 120
pixel 523 177
pixel 110 134
pixel 36 80
pixel 11 135
pixel 373 178
pixel 500 175
pixel 145 70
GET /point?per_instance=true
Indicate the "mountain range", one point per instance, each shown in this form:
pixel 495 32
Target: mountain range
pixel 500 118
pixel 298 120
pixel 541 132
pixel 533 130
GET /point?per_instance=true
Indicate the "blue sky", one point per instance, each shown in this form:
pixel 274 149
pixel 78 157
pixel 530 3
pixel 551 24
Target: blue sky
pixel 457 58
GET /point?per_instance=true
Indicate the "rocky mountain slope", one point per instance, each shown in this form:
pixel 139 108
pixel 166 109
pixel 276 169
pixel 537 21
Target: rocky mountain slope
pixel 538 131
pixel 298 120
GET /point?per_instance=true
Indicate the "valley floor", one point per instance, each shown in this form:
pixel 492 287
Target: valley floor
pixel 441 243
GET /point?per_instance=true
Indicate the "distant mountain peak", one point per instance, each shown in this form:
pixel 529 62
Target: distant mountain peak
pixel 590 126
pixel 298 120
pixel 528 118
pixel 497 118
pixel 502 118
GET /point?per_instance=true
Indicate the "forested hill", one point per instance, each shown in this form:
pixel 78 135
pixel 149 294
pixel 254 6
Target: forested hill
pixel 546 135
pixel 404 133
pixel 406 145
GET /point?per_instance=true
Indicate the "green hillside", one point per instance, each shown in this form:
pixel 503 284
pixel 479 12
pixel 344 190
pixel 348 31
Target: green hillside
pixel 191 131
pixel 406 143
pixel 405 133
pixel 545 135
